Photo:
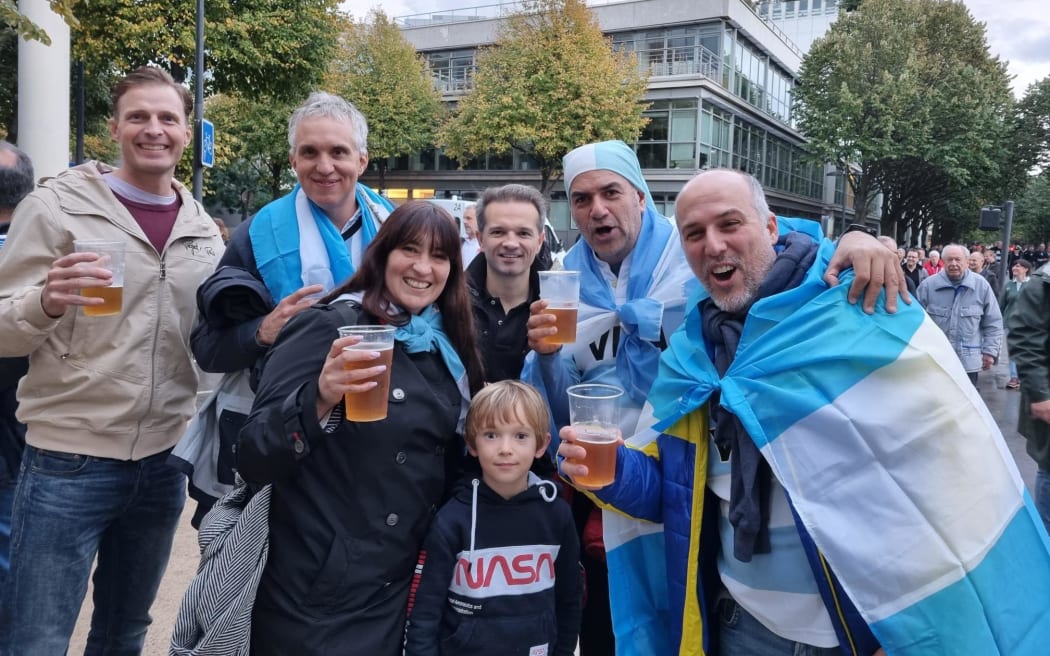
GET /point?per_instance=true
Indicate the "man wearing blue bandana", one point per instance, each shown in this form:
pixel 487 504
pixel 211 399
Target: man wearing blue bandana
pixel 797 461
pixel 633 279
pixel 276 265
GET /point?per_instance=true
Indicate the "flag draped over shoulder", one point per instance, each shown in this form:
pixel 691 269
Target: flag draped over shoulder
pixel 891 460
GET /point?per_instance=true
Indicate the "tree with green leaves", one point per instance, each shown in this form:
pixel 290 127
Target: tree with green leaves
pixel 27 29
pixel 379 71
pixel 254 47
pixel 906 93
pixel 252 154
pixel 551 82
pixel 1032 216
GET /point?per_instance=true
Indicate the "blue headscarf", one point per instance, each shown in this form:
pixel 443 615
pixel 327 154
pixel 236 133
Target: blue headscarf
pixel 638 358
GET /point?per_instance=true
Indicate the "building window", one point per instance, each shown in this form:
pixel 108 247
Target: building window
pixel 451 69
pixel 669 140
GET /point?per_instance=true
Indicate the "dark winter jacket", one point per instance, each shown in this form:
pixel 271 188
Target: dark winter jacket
pixel 349 508
pixel 224 342
pixel 502 336
pixel 498 576
pixel 1028 339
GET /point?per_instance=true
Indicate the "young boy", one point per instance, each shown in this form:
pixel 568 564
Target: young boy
pixel 499 572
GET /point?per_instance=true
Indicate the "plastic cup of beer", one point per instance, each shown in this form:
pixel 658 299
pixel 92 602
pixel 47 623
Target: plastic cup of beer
pixel 372 404
pixel 594 412
pixel 110 257
pixel 561 290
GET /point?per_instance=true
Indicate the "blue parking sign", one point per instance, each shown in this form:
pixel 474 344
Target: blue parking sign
pixel 207 137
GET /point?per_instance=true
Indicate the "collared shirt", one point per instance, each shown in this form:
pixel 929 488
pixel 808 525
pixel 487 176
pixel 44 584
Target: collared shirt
pixel 502 336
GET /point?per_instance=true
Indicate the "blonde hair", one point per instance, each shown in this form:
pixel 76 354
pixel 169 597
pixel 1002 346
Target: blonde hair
pixel 506 401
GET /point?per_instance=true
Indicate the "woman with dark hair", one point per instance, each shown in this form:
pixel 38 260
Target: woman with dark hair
pixel 352 501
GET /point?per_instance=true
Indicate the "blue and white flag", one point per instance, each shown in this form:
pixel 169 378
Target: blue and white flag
pixel 891 460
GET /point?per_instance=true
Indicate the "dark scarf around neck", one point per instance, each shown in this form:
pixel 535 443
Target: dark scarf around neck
pixel 750 473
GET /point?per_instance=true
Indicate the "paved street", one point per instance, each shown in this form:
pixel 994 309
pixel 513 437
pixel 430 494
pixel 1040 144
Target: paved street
pixel 1002 403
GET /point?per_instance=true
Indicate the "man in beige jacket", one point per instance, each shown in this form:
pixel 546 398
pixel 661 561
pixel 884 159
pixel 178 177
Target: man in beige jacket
pixel 106 397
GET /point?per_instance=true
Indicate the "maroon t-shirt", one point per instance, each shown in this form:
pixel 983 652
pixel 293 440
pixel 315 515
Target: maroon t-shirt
pixel 155 220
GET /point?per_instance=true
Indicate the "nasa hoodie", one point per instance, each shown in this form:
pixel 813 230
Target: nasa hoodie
pixel 498 576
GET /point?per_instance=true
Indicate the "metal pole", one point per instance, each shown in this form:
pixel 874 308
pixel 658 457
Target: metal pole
pixel 1008 226
pixel 845 183
pixel 198 105
pixel 79 159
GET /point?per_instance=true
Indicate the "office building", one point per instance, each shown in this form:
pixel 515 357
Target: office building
pixel 720 88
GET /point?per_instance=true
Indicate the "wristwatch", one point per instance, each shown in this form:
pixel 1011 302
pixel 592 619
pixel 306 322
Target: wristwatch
pixel 858 227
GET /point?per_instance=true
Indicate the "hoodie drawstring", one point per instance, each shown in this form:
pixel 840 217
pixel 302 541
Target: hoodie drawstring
pixel 473 521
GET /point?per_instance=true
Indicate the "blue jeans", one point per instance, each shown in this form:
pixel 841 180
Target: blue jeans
pixel 740 634
pixel 1042 495
pixel 7 500
pixel 69 509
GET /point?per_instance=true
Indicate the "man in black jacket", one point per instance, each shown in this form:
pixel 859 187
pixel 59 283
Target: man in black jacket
pixel 503 277
pixel 16 180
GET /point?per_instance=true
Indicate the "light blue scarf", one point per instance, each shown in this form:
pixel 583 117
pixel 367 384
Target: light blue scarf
pixel 426 330
pixel 641 316
pixel 274 235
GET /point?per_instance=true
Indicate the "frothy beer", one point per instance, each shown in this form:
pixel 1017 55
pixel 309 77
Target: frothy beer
pixel 113 297
pixel 566 316
pixel 600 442
pixel 371 405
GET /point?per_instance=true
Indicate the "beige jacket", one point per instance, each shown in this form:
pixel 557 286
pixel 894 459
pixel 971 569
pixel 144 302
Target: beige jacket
pixel 118 387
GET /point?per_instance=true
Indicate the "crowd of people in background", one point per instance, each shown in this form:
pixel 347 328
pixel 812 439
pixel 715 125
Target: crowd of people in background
pixel 747 347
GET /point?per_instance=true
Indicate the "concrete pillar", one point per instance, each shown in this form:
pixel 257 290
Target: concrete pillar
pixel 43 91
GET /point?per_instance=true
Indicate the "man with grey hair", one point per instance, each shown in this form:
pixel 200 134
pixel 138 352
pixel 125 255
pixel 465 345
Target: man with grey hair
pixel 16 181
pixel 291 252
pixel 964 306
pixel 504 278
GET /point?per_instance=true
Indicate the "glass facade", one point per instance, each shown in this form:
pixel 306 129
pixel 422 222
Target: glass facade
pixel 669 140
pixel 803 21
pixel 747 127
pixel 452 69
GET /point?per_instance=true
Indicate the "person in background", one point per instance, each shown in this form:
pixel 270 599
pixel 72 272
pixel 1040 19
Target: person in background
pixel 964 307
pixel 933 264
pixel 223 230
pixel 891 244
pixel 352 501
pixel 913 270
pixel 106 397
pixel 976 262
pixel 468 600
pixel 471 246
pixel 1011 290
pixel 1028 344
pixel 16 181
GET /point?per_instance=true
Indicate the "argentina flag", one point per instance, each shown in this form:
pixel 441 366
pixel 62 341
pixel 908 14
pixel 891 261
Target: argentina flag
pixel 892 462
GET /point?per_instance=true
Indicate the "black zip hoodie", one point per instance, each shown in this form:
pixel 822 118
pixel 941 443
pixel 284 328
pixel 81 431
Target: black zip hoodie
pixel 498 576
